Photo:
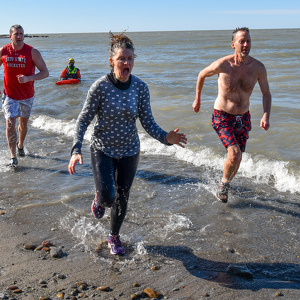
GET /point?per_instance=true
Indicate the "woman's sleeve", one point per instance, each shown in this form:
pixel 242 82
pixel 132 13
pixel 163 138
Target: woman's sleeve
pixel 85 117
pixel 147 119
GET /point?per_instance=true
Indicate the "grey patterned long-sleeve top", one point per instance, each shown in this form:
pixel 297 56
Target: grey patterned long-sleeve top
pixel 116 111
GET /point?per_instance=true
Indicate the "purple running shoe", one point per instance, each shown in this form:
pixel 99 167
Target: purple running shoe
pixel 97 210
pixel 115 245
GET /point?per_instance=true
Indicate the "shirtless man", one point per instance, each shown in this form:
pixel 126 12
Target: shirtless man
pixel 237 76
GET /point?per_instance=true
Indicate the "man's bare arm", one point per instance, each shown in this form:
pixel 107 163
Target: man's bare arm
pixel 267 98
pixel 209 71
pixel 40 64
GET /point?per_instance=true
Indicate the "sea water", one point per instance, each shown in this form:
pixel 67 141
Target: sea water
pixel 172 200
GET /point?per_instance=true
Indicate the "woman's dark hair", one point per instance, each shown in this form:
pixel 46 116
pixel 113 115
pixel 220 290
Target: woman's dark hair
pixel 119 41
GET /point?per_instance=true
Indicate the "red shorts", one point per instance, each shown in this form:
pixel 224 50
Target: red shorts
pixel 232 129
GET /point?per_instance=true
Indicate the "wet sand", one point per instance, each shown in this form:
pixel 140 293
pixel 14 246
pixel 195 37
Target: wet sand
pixel 180 273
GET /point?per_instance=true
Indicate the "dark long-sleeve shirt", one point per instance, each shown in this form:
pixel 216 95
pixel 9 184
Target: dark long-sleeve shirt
pixel 116 111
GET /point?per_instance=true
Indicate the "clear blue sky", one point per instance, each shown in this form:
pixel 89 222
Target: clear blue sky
pixel 147 15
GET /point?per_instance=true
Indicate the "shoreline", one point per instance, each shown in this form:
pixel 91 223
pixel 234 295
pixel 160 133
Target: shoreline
pixel 2 36
pixel 174 271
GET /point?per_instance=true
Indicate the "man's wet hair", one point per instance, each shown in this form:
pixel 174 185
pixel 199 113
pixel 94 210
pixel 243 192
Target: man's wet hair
pixel 15 27
pixel 239 29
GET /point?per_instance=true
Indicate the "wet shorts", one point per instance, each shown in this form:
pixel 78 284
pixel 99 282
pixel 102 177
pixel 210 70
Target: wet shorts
pixel 232 129
pixel 16 108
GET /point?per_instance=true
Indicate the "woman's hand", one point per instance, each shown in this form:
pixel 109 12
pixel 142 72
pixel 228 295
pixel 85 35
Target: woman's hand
pixel 75 158
pixel 176 138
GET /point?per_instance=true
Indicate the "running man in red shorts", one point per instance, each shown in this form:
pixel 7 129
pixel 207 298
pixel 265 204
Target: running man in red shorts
pixel 237 75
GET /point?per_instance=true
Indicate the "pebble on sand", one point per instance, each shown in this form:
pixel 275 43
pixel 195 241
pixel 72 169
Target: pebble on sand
pixel 2 212
pixel 103 288
pixel 29 247
pixel 241 271
pixel 47 244
pixel 60 295
pixel 38 248
pixel 56 252
pixel 151 293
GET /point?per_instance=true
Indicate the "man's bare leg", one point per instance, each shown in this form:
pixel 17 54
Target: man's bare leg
pixel 231 166
pixel 232 163
pixel 11 136
pixel 22 128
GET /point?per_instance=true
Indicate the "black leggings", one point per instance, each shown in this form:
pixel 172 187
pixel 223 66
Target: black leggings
pixel 113 179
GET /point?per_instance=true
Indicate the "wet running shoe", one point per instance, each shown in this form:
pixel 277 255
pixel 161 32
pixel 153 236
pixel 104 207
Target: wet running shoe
pixel 14 162
pixel 115 245
pixel 97 210
pixel 21 151
pixel 222 193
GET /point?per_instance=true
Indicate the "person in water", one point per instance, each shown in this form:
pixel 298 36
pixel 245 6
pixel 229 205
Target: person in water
pixel 117 100
pixel 237 75
pixel 70 72
pixel 19 61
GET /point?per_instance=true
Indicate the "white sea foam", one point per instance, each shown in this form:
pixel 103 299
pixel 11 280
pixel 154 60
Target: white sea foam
pixel 88 234
pixel 259 168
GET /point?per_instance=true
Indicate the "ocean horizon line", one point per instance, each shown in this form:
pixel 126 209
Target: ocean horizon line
pixel 40 34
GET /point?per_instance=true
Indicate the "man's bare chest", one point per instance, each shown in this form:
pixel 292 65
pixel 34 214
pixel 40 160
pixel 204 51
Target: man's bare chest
pixel 238 80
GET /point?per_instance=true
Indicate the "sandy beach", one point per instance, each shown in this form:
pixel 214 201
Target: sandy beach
pixel 173 271
pixel 180 241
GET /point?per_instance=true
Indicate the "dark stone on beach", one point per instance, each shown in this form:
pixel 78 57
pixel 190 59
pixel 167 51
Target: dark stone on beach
pixel 56 252
pixel 74 293
pixel 17 291
pixel 230 250
pixel 155 268
pixel 133 297
pixel 61 276
pixel 279 294
pixel 151 293
pixel 47 244
pixel 81 285
pixel 29 247
pixel 2 212
pixel 241 271
pixel 141 294
pixel 41 281
pixel 135 284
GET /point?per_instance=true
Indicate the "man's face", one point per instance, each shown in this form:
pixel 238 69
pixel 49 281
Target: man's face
pixel 242 43
pixel 17 36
